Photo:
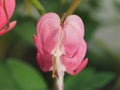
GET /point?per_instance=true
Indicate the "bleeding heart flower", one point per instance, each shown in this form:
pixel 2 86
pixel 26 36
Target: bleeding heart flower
pixel 6 10
pixel 61 45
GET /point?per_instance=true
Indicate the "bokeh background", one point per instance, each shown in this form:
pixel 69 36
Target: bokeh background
pixel 19 69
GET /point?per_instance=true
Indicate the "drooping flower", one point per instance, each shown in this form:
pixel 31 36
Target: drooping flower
pixel 6 10
pixel 61 45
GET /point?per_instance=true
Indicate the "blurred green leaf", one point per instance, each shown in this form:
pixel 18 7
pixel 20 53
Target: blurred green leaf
pixel 88 80
pixel 16 75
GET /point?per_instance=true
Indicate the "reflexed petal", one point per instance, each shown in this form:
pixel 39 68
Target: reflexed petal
pixel 48 29
pixel 79 68
pixel 45 62
pixel 73 34
pixel 5 30
pixel 12 25
pixel 72 63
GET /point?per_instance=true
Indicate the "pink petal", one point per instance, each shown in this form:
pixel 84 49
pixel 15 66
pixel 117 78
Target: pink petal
pixel 72 63
pixel 73 34
pixel 1 3
pixel 10 6
pixel 80 67
pixel 5 30
pixel 12 25
pixel 45 62
pixel 3 18
pixel 38 43
pixel 75 22
pixel 48 29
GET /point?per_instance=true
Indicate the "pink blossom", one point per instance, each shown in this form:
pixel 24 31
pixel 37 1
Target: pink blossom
pixel 6 10
pixel 61 47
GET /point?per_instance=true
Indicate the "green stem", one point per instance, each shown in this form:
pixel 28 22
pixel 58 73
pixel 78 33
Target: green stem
pixel 27 7
pixel 72 7
pixel 38 6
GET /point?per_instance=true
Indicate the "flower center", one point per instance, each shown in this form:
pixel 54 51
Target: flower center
pixel 58 67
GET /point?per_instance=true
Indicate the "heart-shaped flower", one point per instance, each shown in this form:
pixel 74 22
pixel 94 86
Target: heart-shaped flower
pixel 61 45
pixel 6 10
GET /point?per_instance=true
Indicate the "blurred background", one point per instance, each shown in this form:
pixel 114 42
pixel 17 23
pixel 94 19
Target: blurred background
pixel 19 69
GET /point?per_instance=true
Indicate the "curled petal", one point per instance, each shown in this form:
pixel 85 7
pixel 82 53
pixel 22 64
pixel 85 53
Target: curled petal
pixel 72 63
pixel 48 29
pixel 73 34
pixel 7 29
pixel 79 68
pixel 12 25
pixel 45 62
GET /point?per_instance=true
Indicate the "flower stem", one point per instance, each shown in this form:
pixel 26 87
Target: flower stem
pixel 58 69
pixel 27 7
pixel 60 74
pixel 38 6
pixel 72 7
pixel 59 83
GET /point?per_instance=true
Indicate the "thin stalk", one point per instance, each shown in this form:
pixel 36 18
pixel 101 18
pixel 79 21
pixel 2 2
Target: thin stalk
pixel 38 6
pixel 27 7
pixel 72 7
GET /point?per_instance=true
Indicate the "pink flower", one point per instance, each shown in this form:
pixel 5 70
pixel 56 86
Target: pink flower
pixel 61 45
pixel 6 10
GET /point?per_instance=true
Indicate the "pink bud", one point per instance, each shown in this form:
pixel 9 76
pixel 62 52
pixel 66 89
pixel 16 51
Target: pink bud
pixel 61 47
pixel 6 10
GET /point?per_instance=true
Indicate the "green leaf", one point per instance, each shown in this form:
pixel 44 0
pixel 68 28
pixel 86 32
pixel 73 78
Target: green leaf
pixel 17 75
pixel 88 80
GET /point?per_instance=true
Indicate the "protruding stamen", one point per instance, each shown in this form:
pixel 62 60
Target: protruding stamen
pixel 54 67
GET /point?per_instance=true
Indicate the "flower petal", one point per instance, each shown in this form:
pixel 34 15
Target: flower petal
pixel 1 3
pixel 10 6
pixel 73 34
pixel 48 30
pixel 80 67
pixel 45 62
pixel 38 43
pixel 72 63
pixel 7 29
pixel 3 19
